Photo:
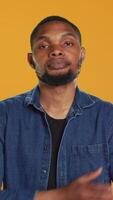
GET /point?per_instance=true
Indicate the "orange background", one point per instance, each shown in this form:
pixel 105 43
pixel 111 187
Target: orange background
pixel 95 20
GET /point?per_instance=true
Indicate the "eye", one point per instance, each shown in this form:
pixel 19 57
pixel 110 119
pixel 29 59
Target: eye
pixel 68 44
pixel 43 46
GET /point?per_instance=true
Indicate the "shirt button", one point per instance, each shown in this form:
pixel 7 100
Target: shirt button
pixel 45 171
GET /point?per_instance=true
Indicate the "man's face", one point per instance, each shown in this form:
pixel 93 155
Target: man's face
pixel 57 53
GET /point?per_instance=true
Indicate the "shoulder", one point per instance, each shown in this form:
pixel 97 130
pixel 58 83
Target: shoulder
pixel 103 104
pixel 95 105
pixel 86 100
pixel 101 108
pixel 95 101
pixel 14 102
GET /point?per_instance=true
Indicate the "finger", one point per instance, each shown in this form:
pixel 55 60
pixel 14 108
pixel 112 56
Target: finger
pixel 97 195
pixel 103 196
pixel 101 187
pixel 90 176
pixel 100 197
pixel 101 192
pixel 94 195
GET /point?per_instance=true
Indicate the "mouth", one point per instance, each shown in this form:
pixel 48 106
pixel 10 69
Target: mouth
pixel 57 64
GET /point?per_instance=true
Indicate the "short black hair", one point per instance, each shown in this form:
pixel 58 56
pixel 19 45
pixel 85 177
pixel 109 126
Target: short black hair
pixel 50 19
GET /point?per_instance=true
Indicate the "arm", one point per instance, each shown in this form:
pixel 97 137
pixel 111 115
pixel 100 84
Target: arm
pixel 18 195
pixel 9 193
pixel 110 143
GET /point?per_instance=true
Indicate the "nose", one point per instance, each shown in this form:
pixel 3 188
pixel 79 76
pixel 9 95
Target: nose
pixel 56 52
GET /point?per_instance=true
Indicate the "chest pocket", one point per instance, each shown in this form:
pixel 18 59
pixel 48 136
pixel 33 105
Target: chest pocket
pixel 87 158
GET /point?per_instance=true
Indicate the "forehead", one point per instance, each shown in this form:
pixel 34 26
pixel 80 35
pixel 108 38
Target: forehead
pixel 55 27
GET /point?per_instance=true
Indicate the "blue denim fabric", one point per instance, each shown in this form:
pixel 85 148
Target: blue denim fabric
pixel 25 144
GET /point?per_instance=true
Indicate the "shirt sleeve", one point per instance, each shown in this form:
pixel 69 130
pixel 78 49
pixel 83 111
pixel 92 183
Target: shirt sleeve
pixel 10 194
pixel 2 125
pixel 110 143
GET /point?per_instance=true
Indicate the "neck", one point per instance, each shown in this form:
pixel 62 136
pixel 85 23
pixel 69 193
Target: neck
pixel 57 100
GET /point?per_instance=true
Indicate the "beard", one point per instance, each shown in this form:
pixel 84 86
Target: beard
pixel 59 80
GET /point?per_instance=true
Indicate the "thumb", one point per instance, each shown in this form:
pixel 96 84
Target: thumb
pixel 90 176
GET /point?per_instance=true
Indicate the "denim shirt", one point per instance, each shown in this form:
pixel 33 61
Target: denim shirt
pixel 25 144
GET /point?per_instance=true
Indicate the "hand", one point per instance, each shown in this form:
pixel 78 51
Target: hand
pixel 80 189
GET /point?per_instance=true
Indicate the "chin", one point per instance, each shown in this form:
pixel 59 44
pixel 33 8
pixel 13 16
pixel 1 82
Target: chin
pixel 58 79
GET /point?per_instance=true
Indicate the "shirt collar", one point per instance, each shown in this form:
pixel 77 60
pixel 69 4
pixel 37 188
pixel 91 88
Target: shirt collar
pixel 33 98
pixel 81 101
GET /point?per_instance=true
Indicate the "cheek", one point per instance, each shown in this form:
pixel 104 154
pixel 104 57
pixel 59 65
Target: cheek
pixel 75 59
pixel 39 69
pixel 40 59
pixel 73 54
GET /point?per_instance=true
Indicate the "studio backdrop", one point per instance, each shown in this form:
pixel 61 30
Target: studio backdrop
pixel 95 20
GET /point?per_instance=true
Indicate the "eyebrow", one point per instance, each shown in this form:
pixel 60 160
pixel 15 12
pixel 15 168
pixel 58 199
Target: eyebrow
pixel 42 37
pixel 69 34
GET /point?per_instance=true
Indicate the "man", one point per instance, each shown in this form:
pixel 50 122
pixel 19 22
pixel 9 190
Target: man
pixel 56 137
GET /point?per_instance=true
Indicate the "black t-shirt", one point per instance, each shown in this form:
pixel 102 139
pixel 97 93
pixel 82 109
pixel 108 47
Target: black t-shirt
pixel 57 127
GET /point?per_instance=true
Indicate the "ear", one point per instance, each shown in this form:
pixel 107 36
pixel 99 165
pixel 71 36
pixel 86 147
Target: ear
pixel 30 60
pixel 82 54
